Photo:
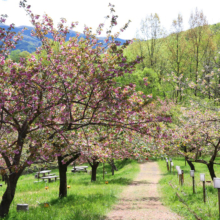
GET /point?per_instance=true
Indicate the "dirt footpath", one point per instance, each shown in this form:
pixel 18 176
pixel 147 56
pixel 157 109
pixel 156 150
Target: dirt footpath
pixel 140 200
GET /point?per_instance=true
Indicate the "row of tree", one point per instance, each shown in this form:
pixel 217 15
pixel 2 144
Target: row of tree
pixel 63 102
pixel 77 100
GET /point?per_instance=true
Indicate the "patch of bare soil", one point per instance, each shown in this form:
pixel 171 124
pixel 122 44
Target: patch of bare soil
pixel 140 200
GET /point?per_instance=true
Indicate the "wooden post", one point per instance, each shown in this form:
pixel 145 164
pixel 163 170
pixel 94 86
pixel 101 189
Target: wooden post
pixel 170 167
pixel 173 171
pixel 167 166
pixel 193 184
pixel 219 201
pixel 204 191
pixel 182 177
pixel 103 171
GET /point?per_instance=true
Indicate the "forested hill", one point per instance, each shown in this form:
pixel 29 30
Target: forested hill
pixel 180 65
pixel 30 43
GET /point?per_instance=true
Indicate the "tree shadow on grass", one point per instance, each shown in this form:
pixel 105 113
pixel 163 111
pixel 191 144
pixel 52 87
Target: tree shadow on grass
pixel 85 179
pixel 100 181
pixel 142 182
pixel 120 181
pixel 121 164
pixel 165 174
pixel 77 207
pixel 150 198
pixel 82 205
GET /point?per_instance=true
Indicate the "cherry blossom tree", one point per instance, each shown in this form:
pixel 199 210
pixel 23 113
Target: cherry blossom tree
pixel 197 132
pixel 46 101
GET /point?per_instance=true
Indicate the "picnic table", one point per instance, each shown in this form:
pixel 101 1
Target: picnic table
pixel 79 169
pixel 43 173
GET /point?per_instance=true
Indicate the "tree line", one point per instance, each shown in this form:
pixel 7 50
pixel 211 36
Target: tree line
pixel 179 64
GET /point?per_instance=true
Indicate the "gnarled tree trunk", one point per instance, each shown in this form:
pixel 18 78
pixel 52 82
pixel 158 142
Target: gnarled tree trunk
pixel 192 167
pixel 210 166
pixel 9 194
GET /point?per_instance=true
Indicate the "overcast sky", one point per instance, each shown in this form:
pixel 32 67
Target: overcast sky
pixel 92 12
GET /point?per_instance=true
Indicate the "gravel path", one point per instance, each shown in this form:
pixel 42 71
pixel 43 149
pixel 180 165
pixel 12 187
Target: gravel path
pixel 140 200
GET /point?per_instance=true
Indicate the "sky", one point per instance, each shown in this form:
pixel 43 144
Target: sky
pixel 92 12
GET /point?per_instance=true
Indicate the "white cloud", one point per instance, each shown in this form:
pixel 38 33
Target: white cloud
pixel 92 12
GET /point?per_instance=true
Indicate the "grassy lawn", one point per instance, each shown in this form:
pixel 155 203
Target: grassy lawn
pixel 85 200
pixel 194 201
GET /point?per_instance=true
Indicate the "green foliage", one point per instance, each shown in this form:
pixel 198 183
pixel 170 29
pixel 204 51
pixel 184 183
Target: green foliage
pixel 85 200
pixel 182 58
pixel 153 86
pixel 15 55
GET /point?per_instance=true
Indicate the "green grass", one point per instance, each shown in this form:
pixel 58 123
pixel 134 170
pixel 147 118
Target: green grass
pixel 85 200
pixel 194 201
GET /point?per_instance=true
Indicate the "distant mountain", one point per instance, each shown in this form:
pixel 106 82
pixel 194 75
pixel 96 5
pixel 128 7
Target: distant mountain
pixel 30 43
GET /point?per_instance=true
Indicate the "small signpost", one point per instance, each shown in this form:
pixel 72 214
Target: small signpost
pixel 217 186
pixel 193 180
pixel 202 178
pixel 170 163
pixel 177 168
pixel 172 166
pixel 167 165
pixel 22 207
pixel 180 176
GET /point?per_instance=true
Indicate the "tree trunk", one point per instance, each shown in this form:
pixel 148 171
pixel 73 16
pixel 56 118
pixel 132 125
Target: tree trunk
pixel 191 164
pixel 115 168
pixel 112 164
pixel 94 169
pixel 63 179
pixel 62 172
pixel 113 171
pixel 188 161
pixel 9 193
pixel 210 166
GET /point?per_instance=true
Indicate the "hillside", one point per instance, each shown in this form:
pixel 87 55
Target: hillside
pixel 182 65
pixel 30 43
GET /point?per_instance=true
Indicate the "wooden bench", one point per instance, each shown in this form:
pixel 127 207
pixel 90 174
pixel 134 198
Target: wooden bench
pixel 79 170
pixel 49 178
